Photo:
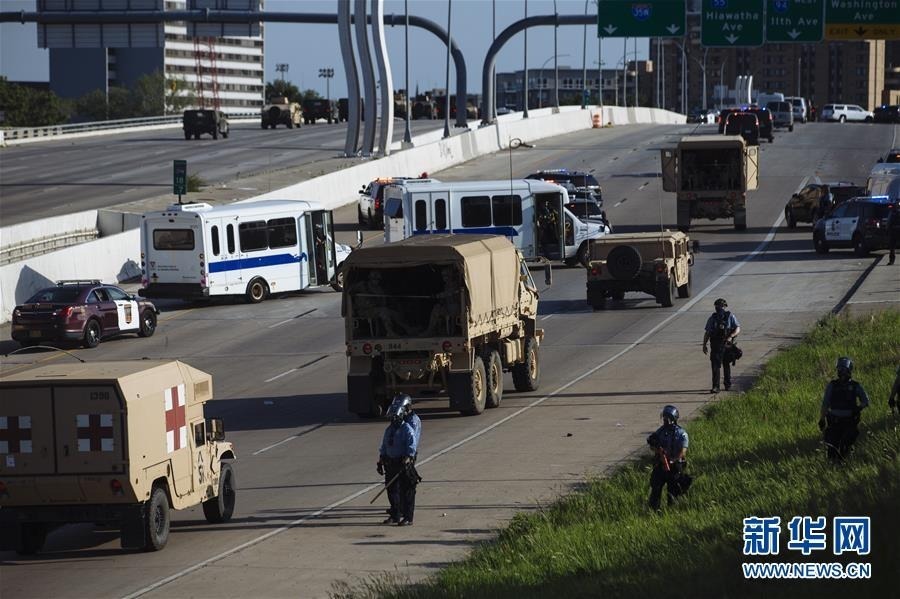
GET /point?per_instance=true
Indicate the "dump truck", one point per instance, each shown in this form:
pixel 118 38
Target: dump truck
pixel 117 443
pixel 711 175
pixel 439 313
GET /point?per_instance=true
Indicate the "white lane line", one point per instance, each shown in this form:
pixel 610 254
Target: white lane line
pixel 620 202
pixel 272 326
pixel 228 552
pixel 642 186
pixel 274 445
pixel 278 376
pixel 546 317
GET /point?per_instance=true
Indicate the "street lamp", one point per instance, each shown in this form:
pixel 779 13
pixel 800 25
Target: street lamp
pixel 541 79
pixel 327 74
pixel 701 64
pixel 282 67
pixel 623 61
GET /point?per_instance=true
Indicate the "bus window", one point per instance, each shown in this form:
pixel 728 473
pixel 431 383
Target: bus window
pixel 507 210
pixel 173 239
pixel 394 208
pixel 253 236
pixel 421 216
pixel 214 233
pixel 282 233
pixel 440 214
pixel 229 234
pixel 476 211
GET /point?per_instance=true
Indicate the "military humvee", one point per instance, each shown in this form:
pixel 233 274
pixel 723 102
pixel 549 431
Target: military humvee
pixel 654 263
pixel 109 442
pixel 439 312
pixel 281 111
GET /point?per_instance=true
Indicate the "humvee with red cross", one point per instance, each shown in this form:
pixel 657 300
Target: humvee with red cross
pixel 119 443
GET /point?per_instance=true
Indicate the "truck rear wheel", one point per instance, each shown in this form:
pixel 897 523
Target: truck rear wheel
pixel 493 367
pixel 157 520
pixel 31 538
pixel 740 219
pixel 220 508
pixel 474 391
pixel 257 291
pixel 527 374
pixel 684 291
pixel 666 291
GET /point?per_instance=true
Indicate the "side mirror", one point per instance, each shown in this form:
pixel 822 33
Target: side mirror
pixel 216 429
pixel 695 245
pixel 548 275
pixel 359 238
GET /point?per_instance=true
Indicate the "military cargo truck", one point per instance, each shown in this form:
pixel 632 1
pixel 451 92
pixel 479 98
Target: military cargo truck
pixel 439 313
pixel 711 175
pixel 120 443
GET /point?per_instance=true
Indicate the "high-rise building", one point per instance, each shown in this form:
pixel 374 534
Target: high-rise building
pixel 239 67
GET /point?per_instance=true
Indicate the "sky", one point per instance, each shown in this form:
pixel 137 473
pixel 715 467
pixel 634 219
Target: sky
pixel 307 48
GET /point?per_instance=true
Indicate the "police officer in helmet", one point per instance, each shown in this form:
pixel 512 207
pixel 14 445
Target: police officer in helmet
pixel 839 417
pixel 720 332
pixel 399 447
pixel 670 442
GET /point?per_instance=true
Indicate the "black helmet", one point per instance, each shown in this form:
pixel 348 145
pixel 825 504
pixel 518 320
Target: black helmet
pixel 669 415
pixel 400 407
pixel 844 365
pixel 721 302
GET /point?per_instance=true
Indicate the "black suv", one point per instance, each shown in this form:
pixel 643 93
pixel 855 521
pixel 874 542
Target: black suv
pixel 319 109
pixel 197 122
pixel 803 207
pixel 765 122
pixel 859 223
pixel 888 113
pixel 745 124
pixel 578 179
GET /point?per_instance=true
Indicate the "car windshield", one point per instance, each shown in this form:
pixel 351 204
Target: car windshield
pixel 845 192
pixel 584 209
pixel 55 295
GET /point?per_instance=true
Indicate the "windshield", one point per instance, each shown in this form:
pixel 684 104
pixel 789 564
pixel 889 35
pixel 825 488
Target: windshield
pixel 55 295
pixel 584 209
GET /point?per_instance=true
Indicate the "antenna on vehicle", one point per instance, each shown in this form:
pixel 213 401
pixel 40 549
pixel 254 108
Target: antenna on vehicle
pixel 30 347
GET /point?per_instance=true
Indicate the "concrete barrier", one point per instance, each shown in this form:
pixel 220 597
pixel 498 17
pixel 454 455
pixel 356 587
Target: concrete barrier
pixel 117 257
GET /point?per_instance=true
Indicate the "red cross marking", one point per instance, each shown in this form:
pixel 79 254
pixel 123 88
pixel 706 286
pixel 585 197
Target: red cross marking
pixel 95 432
pixel 14 435
pixel 175 417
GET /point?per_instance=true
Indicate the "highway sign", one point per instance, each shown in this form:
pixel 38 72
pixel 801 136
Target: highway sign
pixel 650 18
pixel 732 23
pixel 795 20
pixel 179 180
pixel 858 20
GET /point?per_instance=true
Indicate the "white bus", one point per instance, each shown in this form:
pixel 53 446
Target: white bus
pixel 531 213
pixel 195 251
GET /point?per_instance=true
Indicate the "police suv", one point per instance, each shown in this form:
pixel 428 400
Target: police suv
pixel 859 223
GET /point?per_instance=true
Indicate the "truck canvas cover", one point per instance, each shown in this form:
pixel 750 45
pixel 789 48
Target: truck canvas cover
pixel 488 263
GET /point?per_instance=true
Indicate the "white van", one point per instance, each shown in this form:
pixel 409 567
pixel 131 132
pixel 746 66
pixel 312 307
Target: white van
pixel 801 111
pixel 193 251
pixel 526 211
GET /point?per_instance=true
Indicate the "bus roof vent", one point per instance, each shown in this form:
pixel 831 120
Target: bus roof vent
pixel 189 207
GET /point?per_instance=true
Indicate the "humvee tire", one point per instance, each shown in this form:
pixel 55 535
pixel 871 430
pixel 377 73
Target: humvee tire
pixel 220 508
pixel 187 134
pixel 527 374
pixel 666 292
pixel 31 538
pixel 740 219
pixel 148 323
pixel 599 303
pixel 157 520
pixel 469 390
pixel 624 262
pixel 493 367
pixel 684 291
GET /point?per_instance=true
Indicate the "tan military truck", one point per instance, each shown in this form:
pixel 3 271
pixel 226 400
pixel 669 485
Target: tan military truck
pixel 654 263
pixel 711 175
pixel 439 313
pixel 281 111
pixel 120 443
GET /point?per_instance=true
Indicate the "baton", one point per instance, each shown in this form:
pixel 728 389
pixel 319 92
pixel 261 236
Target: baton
pixel 387 484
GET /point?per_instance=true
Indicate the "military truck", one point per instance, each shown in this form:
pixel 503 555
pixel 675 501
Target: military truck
pixel 654 263
pixel 119 443
pixel 439 313
pixel 281 111
pixel 198 122
pixel 711 175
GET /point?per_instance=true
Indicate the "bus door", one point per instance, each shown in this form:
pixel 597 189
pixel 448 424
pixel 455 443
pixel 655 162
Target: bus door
pixel 440 213
pixel 549 221
pixel 320 244
pixel 223 255
pixel 393 214
pixel 421 213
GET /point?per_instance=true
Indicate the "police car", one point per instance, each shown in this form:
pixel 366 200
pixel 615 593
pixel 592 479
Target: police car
pixel 859 223
pixel 577 179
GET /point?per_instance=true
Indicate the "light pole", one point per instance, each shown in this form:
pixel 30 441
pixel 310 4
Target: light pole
pixel 701 64
pixel 584 87
pixel 447 79
pixel 623 61
pixel 555 61
pixel 407 134
pixel 282 67
pixel 541 80
pixel 327 74
pixel 525 71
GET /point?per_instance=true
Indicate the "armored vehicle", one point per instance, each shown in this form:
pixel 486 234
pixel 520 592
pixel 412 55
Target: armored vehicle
pixel 439 313
pixel 711 175
pixel 120 443
pixel 197 122
pixel 280 111
pixel 320 108
pixel 654 263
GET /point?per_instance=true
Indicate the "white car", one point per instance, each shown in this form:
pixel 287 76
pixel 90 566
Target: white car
pixel 801 111
pixel 842 113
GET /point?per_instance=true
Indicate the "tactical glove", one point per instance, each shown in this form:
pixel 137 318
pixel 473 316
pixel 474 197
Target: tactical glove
pixel 822 424
pixel 705 350
pixel 380 468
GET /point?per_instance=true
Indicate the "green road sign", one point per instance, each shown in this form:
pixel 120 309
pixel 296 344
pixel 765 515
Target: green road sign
pixel 795 20
pixel 862 20
pixel 651 18
pixel 179 182
pixel 732 23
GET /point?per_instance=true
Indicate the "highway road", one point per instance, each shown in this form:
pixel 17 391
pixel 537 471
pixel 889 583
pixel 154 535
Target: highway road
pixel 65 176
pixel 306 468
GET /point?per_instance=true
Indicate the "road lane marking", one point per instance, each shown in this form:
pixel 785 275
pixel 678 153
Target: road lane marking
pixel 301 367
pixel 292 437
pixel 272 326
pixel 620 202
pixel 546 317
pixel 643 186
pixel 255 541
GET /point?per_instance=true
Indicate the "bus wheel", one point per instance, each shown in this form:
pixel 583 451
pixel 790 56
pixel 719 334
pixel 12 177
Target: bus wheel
pixel 257 291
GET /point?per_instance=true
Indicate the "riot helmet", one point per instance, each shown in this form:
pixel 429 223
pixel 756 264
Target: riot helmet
pixel 669 415
pixel 720 303
pixel 400 407
pixel 844 367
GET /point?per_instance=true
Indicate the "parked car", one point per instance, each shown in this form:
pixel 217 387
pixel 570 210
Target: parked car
pixel 319 108
pixel 887 113
pixel 588 209
pixel 197 122
pixel 859 223
pixel 841 113
pixel 578 179
pixel 85 311
pixel 803 207
pixel 782 115
pixel 745 124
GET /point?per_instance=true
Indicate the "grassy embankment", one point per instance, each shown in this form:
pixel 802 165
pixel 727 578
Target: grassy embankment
pixel 758 453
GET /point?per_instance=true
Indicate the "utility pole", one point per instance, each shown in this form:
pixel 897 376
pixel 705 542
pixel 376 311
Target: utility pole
pixel 407 134
pixel 447 80
pixel 282 67
pixel 555 60
pixel 525 71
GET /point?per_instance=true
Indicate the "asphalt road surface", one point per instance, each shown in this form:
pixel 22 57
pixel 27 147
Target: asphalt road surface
pixel 306 467
pixel 60 177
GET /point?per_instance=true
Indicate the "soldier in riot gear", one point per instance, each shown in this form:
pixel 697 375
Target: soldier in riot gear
pixel 894 397
pixel 396 462
pixel 670 442
pixel 839 417
pixel 720 332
